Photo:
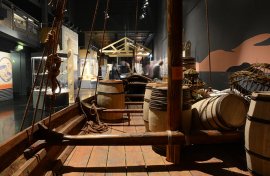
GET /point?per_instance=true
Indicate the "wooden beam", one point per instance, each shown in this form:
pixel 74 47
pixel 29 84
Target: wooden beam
pixel 29 152
pixel 123 110
pixel 31 164
pixel 174 107
pixel 146 138
pixel 125 48
pixel 214 136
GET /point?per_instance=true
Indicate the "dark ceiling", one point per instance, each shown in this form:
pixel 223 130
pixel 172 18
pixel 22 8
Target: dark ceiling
pixel 121 21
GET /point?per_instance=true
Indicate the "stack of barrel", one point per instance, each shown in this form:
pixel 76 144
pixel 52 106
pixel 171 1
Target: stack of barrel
pixel 220 112
pixel 257 134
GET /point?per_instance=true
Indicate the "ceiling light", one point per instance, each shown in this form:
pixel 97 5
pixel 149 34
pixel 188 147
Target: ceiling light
pixel 19 47
pixel 106 15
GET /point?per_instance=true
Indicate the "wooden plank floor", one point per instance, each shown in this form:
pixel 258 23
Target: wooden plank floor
pixel 197 160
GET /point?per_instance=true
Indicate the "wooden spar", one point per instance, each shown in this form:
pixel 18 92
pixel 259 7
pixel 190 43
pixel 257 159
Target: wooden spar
pixel 147 138
pixel 214 136
pixel 174 107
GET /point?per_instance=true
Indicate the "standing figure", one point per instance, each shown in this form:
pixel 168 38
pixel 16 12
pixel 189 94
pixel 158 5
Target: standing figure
pixel 157 70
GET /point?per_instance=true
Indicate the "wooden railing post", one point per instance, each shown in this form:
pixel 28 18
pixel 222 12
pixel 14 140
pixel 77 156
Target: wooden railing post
pixel 175 73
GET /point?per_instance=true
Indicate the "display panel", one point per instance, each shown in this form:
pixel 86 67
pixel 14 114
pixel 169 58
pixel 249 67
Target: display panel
pixel 6 86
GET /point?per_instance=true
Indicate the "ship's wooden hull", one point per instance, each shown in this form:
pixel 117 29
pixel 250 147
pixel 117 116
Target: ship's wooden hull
pixel 46 157
pixel 13 162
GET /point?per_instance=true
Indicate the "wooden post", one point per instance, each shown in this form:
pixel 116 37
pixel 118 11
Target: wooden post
pixel 175 74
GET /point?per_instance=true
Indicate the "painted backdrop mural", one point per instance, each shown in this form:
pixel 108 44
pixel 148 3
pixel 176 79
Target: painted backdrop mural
pixel 251 51
pixel 239 35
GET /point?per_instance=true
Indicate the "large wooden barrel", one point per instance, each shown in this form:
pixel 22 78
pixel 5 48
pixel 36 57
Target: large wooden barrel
pixel 110 94
pixel 147 96
pixel 223 112
pixel 158 115
pixel 257 134
pixel 158 109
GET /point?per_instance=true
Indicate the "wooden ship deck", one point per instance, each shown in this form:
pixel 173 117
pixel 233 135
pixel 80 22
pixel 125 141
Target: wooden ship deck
pixel 214 159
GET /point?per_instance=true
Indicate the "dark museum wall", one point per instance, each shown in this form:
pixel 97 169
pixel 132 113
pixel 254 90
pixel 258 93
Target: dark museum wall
pixel 161 35
pixel 239 35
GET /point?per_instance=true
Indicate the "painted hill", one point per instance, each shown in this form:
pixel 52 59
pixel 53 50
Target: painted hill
pixel 250 51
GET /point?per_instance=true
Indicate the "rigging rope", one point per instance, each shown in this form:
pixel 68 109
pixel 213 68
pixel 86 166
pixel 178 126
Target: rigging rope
pixel 52 64
pixel 31 93
pixel 102 43
pixel 87 51
pixel 45 52
pixel 93 124
pixel 208 42
pixel 135 37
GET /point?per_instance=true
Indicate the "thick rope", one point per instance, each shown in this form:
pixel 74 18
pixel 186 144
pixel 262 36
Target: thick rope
pixel 135 37
pixel 50 50
pixel 208 42
pixel 254 78
pixel 93 124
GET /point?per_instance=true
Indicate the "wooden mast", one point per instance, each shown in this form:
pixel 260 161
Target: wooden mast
pixel 175 74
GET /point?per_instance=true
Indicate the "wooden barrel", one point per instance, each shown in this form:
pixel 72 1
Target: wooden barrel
pixel 110 94
pixel 223 112
pixel 158 109
pixel 257 134
pixel 158 115
pixel 147 96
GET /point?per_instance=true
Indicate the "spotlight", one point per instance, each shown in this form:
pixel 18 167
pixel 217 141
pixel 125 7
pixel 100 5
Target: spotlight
pixel 106 15
pixel 19 47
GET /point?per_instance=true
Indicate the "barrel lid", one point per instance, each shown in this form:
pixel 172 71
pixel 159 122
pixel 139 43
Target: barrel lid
pixel 261 95
pixel 233 110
